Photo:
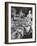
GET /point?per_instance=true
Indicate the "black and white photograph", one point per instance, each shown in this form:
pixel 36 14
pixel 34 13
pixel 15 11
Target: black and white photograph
pixel 21 23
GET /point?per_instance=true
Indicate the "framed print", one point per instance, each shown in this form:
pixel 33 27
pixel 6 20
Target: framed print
pixel 20 22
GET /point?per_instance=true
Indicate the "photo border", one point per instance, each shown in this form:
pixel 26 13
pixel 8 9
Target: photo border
pixel 6 22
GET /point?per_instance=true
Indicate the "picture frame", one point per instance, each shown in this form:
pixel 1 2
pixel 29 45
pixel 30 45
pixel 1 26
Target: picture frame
pixel 20 22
